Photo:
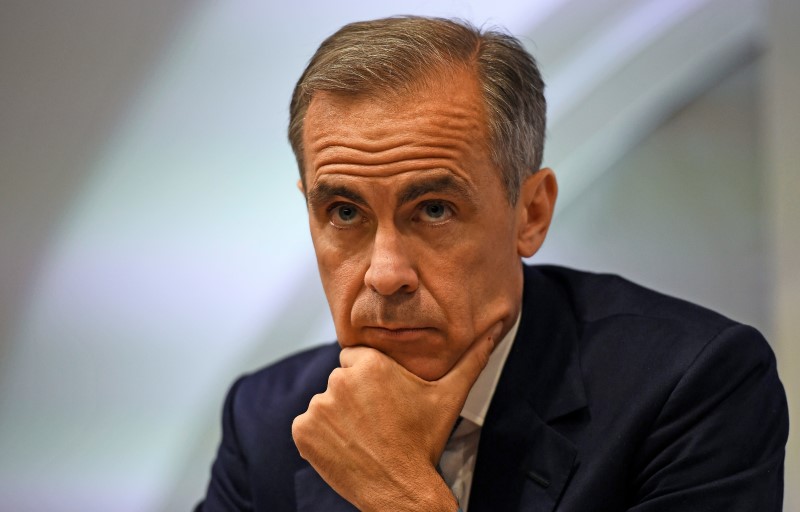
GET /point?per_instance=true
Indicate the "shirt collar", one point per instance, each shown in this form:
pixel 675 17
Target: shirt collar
pixel 480 396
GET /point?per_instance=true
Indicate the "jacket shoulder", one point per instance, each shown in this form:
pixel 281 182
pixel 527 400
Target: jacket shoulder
pixel 285 387
pixel 597 296
pixel 626 328
pixel 684 406
pixel 257 459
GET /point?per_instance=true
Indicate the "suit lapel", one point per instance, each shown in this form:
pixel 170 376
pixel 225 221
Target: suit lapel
pixel 523 462
pixel 314 495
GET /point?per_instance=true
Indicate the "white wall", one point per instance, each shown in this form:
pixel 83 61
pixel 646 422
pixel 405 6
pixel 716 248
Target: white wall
pixel 781 136
pixel 683 212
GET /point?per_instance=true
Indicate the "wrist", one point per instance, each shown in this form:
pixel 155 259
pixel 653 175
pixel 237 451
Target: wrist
pixel 441 497
pixel 428 492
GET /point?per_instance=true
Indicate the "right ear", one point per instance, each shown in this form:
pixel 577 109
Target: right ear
pixel 301 188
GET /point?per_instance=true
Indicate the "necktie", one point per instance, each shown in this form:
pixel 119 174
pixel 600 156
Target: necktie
pixel 457 461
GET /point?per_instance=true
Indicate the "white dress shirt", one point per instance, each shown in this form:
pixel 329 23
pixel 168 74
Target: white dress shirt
pixel 458 459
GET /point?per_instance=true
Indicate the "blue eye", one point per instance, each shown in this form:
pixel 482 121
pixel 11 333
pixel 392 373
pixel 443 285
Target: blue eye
pixel 344 215
pixel 435 211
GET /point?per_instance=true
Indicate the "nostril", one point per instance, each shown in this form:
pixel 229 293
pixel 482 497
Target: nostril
pixel 390 268
pixel 391 277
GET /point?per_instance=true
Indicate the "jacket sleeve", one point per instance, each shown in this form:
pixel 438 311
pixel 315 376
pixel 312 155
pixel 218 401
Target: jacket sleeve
pixel 228 489
pixel 718 443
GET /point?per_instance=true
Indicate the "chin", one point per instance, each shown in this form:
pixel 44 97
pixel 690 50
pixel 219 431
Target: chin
pixel 424 368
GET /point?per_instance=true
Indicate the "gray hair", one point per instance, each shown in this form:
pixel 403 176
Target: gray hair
pixel 393 54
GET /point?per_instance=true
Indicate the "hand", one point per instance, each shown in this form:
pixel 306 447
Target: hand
pixel 378 431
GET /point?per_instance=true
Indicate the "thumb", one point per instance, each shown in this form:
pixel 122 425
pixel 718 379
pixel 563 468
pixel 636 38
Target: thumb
pixel 466 371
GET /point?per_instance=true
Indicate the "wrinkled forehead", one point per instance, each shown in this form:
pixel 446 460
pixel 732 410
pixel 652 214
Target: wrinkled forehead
pixel 446 117
pixel 430 85
pixel 453 95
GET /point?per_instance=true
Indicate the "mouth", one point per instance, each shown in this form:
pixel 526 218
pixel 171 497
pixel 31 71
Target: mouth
pixel 398 332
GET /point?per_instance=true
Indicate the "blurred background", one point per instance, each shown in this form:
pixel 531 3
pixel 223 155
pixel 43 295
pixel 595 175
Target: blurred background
pixel 153 245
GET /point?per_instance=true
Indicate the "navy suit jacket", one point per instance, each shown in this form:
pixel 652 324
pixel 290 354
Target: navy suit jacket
pixel 613 398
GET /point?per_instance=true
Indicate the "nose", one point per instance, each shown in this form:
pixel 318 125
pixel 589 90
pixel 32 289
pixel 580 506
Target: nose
pixel 391 270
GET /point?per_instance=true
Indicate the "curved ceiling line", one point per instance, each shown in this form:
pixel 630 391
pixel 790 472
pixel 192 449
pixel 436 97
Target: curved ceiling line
pixel 620 84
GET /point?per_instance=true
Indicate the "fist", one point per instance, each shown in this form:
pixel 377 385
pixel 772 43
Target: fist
pixel 377 433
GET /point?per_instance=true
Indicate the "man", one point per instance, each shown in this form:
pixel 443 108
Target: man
pixel 461 378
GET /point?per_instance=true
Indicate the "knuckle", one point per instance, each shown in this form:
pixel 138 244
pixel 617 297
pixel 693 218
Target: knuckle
pixel 314 405
pixel 336 378
pixel 299 427
pixel 374 359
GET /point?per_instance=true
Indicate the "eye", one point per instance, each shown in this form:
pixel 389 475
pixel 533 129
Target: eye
pixel 434 212
pixel 344 215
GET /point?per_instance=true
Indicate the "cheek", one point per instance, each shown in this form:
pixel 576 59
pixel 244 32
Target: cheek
pixel 342 275
pixel 476 280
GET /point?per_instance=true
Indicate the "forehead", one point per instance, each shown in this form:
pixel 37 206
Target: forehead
pixel 440 122
pixel 457 91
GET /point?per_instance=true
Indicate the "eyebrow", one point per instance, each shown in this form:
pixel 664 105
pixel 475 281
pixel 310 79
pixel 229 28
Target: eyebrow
pixel 441 184
pixel 322 193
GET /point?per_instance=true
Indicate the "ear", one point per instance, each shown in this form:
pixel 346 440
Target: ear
pixel 301 188
pixel 535 206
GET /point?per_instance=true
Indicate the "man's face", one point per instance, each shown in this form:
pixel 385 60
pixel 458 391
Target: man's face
pixel 415 239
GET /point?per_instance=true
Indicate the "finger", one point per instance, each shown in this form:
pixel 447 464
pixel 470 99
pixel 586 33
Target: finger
pixel 350 356
pixel 466 371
